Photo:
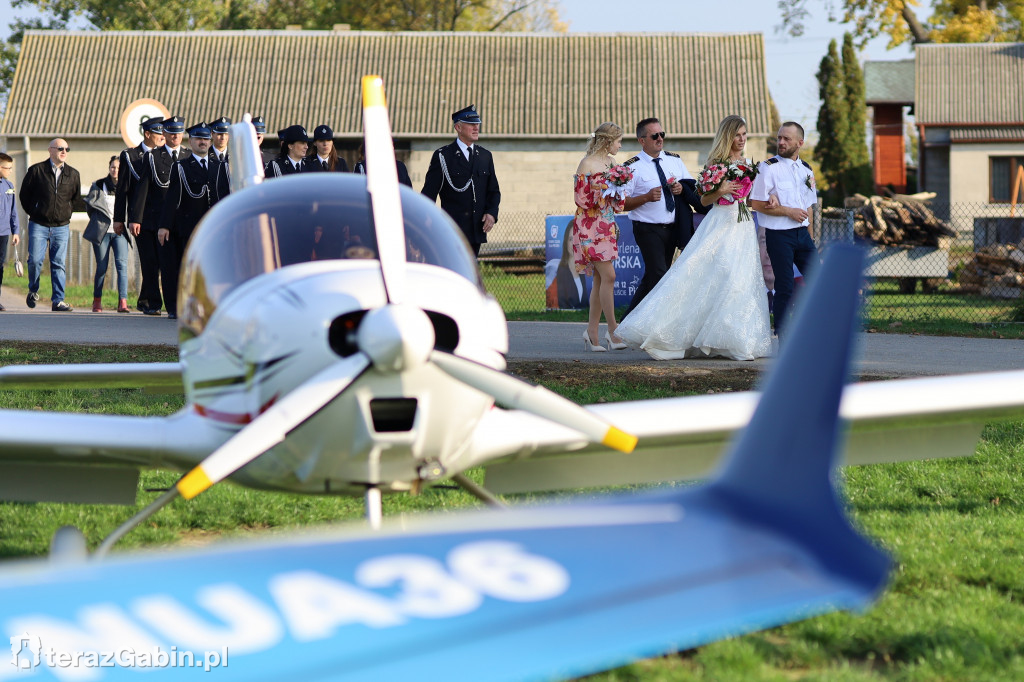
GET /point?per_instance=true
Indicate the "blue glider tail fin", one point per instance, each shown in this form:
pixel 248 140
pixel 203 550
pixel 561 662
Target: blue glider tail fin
pixel 781 466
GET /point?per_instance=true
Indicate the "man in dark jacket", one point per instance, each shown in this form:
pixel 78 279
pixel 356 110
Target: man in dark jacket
pixel 463 174
pixel 50 192
pixel 128 186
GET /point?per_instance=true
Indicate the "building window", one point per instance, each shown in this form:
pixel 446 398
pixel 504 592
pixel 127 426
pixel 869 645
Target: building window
pixel 1005 173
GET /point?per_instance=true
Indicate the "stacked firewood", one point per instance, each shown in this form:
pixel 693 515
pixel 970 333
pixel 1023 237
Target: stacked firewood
pixel 897 220
pixel 996 271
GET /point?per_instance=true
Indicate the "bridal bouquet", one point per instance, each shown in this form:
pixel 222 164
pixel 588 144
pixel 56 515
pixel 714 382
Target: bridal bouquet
pixel 713 175
pixel 617 177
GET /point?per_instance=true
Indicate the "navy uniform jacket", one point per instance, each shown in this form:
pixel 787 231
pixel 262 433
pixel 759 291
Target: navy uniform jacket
pixel 192 192
pixel 129 172
pixel 283 166
pixel 154 180
pixel 475 177
pixel 313 165
pixel 403 172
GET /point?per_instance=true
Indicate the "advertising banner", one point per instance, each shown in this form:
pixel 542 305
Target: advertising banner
pixel 567 290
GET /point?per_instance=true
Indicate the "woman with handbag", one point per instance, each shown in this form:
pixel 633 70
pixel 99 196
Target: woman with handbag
pixel 8 213
pixel 100 231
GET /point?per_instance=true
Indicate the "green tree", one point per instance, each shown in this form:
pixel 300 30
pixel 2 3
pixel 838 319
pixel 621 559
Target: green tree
pixel 858 175
pixel 833 125
pixel 951 20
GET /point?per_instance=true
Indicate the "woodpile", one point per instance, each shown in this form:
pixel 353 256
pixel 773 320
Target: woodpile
pixel 996 271
pixel 897 220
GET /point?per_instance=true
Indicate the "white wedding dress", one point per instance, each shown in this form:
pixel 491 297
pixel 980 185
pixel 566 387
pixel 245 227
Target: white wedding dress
pixel 711 301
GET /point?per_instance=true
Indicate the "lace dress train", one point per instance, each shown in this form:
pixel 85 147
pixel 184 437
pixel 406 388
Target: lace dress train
pixel 712 300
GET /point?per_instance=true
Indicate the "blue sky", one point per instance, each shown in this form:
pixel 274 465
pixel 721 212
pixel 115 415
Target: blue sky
pixel 791 62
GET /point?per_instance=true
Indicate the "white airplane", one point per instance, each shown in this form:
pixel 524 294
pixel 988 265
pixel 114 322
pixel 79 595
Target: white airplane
pixel 336 339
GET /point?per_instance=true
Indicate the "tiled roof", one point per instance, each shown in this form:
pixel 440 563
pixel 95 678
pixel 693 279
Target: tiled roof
pixel 970 84
pixel 987 134
pixel 889 82
pixel 77 83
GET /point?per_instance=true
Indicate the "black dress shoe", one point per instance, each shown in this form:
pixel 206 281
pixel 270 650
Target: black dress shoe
pixel 151 311
pixel 172 316
pixel 142 305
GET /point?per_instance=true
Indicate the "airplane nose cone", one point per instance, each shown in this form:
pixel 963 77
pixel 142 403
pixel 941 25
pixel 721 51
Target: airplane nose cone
pixel 396 337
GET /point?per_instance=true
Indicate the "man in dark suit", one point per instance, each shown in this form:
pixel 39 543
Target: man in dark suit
pixel 145 211
pixel 221 131
pixel 260 124
pixel 128 181
pixel 463 174
pixel 197 182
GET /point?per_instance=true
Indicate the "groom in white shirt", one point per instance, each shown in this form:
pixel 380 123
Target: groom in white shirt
pixel 789 228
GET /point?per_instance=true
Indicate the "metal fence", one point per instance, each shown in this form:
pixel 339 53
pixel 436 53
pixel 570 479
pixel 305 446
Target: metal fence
pixel 945 264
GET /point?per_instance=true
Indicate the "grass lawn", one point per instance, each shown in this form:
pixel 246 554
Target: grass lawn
pixel 954 610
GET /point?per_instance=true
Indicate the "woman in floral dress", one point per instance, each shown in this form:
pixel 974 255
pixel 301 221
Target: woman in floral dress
pixel 594 233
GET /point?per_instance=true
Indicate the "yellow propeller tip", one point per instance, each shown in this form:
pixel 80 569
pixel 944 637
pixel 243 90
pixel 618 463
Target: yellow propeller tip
pixel 373 92
pixel 194 482
pixel 619 440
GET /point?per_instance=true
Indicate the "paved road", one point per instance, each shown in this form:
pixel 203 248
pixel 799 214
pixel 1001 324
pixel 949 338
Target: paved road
pixel 880 354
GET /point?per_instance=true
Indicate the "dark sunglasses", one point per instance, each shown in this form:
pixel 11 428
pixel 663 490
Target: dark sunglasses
pixel 655 136
pixel 62 149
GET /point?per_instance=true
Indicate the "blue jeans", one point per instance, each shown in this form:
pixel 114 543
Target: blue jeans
pixel 119 244
pixel 38 238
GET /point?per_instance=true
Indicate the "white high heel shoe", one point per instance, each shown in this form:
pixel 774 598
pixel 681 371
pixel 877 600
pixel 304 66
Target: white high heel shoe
pixel 587 345
pixel 612 345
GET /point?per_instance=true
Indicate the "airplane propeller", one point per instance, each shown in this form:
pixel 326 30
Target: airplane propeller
pixel 394 337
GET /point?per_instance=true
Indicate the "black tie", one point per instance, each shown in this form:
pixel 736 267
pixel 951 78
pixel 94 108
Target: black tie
pixel 174 156
pixel 670 201
pixel 324 164
pixel 202 162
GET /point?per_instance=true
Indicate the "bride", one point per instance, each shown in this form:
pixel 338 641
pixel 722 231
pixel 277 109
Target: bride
pixel 712 300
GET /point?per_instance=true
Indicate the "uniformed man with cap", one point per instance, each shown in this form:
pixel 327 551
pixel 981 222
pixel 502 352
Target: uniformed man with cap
pixel 462 173
pixel 128 186
pixel 146 209
pixel 260 124
pixel 197 182
pixel 130 163
pixel 324 156
pixel 292 158
pixel 220 129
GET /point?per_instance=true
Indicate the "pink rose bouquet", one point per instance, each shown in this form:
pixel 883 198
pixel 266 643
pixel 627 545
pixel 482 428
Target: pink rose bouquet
pixel 617 178
pixel 713 175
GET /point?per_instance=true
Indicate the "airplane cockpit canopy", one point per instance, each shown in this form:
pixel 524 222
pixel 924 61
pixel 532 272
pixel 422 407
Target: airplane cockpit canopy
pixel 303 218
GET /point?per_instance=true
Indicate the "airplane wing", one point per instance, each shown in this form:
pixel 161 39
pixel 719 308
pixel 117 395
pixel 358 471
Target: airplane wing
pixel 684 438
pixel 538 593
pixel 162 377
pixel 93 458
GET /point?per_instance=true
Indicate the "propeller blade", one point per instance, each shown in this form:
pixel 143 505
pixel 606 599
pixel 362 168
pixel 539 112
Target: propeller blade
pixel 382 184
pixel 244 150
pixel 271 427
pixel 537 400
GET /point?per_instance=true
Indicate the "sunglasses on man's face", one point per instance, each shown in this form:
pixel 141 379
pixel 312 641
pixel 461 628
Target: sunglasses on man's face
pixel 62 149
pixel 655 136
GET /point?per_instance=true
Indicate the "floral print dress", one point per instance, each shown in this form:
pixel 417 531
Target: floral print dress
pixel 595 237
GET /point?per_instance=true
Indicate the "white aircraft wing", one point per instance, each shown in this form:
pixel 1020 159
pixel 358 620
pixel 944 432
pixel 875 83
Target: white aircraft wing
pixel 683 438
pixel 156 376
pixel 92 458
